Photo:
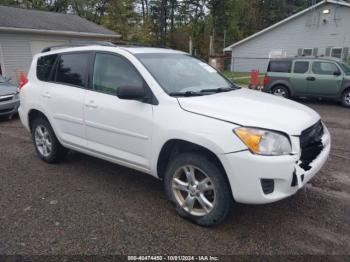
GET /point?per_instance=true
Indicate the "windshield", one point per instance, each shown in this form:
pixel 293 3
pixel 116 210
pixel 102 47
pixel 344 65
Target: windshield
pixel 181 73
pixel 346 68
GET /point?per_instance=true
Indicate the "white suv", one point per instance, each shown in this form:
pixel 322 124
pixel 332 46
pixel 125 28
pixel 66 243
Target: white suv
pixel 170 115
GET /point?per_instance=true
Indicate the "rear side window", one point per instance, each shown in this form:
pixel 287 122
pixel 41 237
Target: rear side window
pixel 324 68
pixel 44 67
pixel 280 66
pixel 72 69
pixel 301 67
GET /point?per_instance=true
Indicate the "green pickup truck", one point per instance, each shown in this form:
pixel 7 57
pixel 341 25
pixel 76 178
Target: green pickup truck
pixel 309 77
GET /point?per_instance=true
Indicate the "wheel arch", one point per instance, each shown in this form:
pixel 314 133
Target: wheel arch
pixel 33 114
pixel 177 146
pixel 346 88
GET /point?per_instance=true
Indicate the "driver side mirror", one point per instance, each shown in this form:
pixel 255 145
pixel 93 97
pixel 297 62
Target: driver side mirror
pixel 337 73
pixel 132 92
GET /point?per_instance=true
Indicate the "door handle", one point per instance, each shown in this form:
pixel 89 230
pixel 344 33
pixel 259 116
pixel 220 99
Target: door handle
pixel 47 95
pixel 311 78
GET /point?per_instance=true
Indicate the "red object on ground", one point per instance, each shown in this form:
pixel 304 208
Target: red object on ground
pixel 266 80
pixel 22 80
pixel 254 78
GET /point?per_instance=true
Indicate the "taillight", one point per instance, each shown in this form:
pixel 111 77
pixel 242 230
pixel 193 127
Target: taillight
pixel 266 80
pixel 23 80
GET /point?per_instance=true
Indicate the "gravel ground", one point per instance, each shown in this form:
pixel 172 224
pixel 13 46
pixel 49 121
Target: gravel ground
pixel 89 206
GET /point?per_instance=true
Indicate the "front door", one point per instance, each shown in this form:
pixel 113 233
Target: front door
pixel 326 79
pixel 118 129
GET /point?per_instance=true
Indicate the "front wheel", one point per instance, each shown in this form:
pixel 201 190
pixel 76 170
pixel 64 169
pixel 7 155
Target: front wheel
pixel 346 98
pixel 198 189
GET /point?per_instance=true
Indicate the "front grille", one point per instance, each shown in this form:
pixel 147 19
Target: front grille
pixel 311 145
pixel 6 98
pixel 3 111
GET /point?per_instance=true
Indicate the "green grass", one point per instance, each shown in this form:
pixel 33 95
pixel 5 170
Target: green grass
pixel 243 81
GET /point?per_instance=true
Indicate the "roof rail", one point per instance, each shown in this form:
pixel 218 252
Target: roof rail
pixel 79 44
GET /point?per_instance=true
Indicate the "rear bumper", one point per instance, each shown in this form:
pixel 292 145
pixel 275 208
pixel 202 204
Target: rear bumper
pixel 10 107
pixel 246 172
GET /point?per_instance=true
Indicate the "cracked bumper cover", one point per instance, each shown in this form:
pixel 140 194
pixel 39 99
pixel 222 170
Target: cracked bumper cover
pixel 245 172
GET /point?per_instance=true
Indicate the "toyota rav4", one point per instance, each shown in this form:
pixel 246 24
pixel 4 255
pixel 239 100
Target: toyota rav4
pixel 172 116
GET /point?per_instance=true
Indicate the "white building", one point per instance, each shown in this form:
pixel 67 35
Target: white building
pixel 321 30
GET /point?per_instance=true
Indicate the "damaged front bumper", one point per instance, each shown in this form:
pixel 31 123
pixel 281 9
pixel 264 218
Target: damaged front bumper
pixel 258 179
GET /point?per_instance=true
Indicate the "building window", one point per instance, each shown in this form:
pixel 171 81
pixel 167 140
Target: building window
pixel 337 52
pixel 307 52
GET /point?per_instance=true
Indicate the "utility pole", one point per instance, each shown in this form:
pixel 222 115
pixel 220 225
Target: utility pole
pixel 190 47
pixel 224 41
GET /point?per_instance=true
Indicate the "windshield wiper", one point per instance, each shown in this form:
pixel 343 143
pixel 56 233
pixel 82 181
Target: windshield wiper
pixel 219 90
pixel 186 94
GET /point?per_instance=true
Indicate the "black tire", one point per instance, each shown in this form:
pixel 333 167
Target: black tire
pixel 282 90
pixel 223 196
pixel 345 98
pixel 58 152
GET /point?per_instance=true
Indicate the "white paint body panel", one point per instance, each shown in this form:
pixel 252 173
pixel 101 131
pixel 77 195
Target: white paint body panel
pixel 132 133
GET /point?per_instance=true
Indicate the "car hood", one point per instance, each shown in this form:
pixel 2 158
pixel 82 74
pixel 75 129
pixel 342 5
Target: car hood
pixel 7 89
pixel 254 109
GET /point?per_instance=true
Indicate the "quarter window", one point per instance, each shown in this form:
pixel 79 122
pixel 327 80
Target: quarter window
pixel 280 66
pixel 111 72
pixel 301 67
pixel 324 68
pixel 72 69
pixel 44 67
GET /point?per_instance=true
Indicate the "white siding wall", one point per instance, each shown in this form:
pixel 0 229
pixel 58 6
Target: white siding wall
pixel 305 31
pixel 17 50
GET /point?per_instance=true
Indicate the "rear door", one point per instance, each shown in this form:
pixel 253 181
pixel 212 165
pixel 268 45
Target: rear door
pixel 298 78
pixel 326 79
pixel 65 97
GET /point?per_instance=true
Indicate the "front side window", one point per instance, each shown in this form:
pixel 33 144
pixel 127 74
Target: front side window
pixel 324 68
pixel 112 71
pixel 72 69
pixel 44 67
pixel 181 73
pixel 301 67
pixel 280 66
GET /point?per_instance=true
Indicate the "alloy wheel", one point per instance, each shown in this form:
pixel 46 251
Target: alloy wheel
pixel 194 190
pixel 43 140
pixel 280 92
pixel 347 99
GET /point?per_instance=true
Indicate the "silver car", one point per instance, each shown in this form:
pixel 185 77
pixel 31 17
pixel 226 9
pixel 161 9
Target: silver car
pixel 9 99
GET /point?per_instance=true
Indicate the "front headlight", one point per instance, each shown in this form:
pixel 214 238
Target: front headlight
pixel 264 142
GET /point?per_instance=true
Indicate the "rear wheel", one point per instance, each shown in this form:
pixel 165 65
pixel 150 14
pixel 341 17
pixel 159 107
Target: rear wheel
pixel 46 143
pixel 346 98
pixel 281 91
pixel 198 189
